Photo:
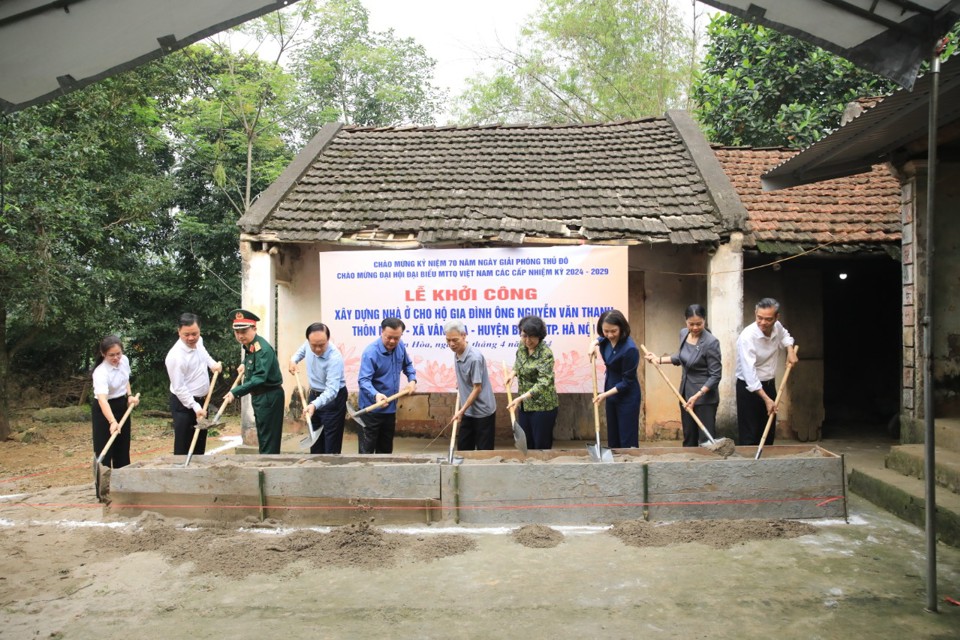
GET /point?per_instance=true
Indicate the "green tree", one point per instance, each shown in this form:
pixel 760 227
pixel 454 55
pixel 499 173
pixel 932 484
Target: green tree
pixel 347 73
pixel 759 87
pixel 84 191
pixel 586 61
pixel 227 129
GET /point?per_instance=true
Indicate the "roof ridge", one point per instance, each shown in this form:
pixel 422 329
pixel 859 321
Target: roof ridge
pixel 501 125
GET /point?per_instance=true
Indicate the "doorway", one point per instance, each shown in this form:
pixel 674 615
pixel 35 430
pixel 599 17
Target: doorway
pixel 862 345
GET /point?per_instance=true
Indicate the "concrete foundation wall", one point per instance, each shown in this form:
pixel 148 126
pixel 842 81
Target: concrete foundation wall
pixel 498 487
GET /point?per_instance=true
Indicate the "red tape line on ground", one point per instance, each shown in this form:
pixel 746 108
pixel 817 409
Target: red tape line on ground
pixel 821 501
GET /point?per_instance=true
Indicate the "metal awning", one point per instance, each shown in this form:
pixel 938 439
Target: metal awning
pixel 889 37
pixel 50 47
pixel 899 122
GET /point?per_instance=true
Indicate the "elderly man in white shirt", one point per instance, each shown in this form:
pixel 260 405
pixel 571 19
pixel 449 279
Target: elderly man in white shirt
pixel 758 348
pixel 187 364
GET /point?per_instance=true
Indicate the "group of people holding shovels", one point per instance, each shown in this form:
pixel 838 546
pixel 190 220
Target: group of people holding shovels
pixel 189 366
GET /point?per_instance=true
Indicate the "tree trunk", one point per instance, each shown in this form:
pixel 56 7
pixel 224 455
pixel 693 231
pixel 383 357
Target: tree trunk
pixel 4 377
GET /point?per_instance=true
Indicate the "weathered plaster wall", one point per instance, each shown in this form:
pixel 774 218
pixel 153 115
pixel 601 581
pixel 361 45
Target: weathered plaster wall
pixel 946 322
pixel 946 299
pixel 725 307
pixel 674 278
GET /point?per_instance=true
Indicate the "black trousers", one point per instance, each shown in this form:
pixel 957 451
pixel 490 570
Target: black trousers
pixel 692 435
pixel 330 418
pixel 752 413
pixel 184 421
pixel 376 436
pixel 119 454
pixel 477 433
pixel 538 427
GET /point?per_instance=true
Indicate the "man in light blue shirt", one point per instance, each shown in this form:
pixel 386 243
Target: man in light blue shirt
pixel 380 367
pixel 327 408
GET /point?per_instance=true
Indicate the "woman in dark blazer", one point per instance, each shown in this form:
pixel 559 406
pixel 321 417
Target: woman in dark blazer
pixel 699 355
pixel 621 389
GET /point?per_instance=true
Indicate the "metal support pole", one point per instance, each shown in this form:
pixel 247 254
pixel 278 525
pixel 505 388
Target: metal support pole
pixel 929 465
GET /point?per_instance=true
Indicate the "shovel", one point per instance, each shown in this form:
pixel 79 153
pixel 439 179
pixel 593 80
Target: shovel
pixel 776 405
pixel 453 434
pixel 311 439
pixel 721 446
pixel 99 459
pixel 355 415
pixel 519 437
pixel 206 403
pixel 206 424
pixel 597 453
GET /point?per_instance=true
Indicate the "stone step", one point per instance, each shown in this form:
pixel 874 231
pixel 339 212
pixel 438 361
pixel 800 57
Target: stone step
pixel 903 496
pixel 947 434
pixel 908 459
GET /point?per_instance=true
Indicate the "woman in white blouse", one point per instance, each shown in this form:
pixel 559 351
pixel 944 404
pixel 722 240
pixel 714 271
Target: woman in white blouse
pixel 111 388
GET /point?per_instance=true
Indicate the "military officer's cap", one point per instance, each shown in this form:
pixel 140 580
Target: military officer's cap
pixel 243 319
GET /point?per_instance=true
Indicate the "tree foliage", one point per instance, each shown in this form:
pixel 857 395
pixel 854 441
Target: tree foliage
pixel 586 61
pixel 85 188
pixel 350 74
pixel 120 201
pixel 758 87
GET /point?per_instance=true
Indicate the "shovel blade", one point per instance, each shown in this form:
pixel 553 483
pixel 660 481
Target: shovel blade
pixel 96 477
pixel 309 440
pixel 599 454
pixel 721 446
pixel 519 438
pixel 355 416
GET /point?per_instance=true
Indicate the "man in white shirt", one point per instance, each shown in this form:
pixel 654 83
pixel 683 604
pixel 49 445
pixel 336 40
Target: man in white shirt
pixel 758 348
pixel 187 364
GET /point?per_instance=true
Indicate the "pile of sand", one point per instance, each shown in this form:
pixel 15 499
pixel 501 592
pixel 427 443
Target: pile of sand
pixel 232 553
pixel 537 536
pixel 721 534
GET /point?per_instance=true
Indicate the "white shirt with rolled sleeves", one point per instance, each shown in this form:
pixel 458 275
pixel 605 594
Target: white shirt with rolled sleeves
pixel 111 381
pixel 325 373
pixel 189 372
pixel 757 354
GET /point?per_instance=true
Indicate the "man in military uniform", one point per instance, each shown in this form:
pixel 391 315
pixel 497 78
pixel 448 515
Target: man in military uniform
pixel 263 380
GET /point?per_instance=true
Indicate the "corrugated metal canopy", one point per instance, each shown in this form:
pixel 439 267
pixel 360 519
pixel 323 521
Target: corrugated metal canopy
pixel 895 124
pixel 50 47
pixel 888 37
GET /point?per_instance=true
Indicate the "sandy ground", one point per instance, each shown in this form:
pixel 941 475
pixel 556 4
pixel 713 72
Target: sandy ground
pixel 68 571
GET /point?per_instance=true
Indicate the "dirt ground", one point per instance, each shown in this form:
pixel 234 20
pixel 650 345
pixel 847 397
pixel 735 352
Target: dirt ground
pixel 69 571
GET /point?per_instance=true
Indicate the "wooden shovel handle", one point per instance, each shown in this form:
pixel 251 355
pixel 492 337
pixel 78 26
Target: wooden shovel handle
pixel 303 398
pixel 776 405
pixel 223 405
pixel 513 414
pixel 382 403
pixel 213 383
pixel 676 392
pixel 596 407
pixel 126 414
pixel 453 432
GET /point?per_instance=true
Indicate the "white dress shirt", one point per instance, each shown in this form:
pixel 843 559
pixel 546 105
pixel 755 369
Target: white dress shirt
pixel 757 354
pixel 111 381
pixel 187 369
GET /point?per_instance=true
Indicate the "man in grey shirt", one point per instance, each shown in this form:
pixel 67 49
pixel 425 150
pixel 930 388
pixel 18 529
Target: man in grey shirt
pixel 478 407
